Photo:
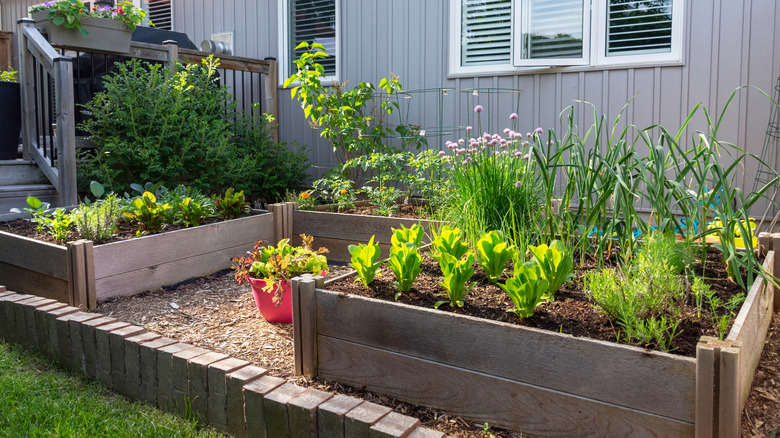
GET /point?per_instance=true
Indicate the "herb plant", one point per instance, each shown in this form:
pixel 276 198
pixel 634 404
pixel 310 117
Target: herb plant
pixel 59 224
pixel 494 253
pixel 98 221
pixel 527 289
pixel 365 260
pixel 456 279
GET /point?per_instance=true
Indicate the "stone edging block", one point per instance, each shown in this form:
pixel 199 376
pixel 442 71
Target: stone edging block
pixel 229 394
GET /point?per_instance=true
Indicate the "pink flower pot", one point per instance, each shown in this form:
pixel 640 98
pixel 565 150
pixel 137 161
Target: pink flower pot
pixel 265 304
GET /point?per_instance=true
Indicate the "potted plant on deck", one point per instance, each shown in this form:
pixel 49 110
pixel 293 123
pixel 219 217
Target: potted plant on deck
pixel 10 114
pixel 268 269
pixel 71 23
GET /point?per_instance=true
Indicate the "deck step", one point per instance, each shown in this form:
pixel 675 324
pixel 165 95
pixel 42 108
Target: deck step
pixel 15 196
pixel 13 172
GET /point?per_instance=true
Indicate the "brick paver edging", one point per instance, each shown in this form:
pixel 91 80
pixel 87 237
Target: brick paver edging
pixel 226 393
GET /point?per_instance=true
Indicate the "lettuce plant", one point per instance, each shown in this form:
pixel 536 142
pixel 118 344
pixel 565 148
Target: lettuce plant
pixel 232 205
pixel 448 242
pixel 365 260
pixel 413 235
pixel 494 253
pixel 406 264
pixel 456 280
pixel 193 211
pixel 527 289
pixel 554 263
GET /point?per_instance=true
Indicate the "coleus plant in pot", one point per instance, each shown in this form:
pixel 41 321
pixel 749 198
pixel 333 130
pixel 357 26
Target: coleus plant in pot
pixel 268 269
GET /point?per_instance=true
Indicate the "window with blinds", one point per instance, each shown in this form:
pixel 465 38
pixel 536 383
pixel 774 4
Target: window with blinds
pixel 313 21
pixel 552 29
pixel 486 33
pixel 160 14
pixel 639 26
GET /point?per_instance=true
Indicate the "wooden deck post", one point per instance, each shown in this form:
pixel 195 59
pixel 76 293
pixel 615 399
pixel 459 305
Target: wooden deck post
pixel 26 86
pixel 304 324
pixel 173 55
pixel 270 100
pixel 65 139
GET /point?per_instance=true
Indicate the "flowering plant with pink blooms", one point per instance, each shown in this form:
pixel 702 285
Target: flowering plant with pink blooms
pixel 69 13
pixel 493 183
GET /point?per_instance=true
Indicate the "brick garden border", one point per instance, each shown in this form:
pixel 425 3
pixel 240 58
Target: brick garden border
pixel 228 394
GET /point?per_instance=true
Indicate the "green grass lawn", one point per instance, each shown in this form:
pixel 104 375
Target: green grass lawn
pixel 39 400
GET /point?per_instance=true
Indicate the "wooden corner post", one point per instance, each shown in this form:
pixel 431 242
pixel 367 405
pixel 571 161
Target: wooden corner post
pixel 304 304
pixel 283 219
pixel 173 55
pixel 81 287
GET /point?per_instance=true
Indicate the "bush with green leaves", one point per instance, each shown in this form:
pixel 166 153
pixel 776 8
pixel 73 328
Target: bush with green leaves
pixel 183 129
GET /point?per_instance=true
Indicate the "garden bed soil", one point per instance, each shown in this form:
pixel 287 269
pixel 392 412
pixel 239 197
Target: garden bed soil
pixel 571 312
pixel 125 231
pixel 405 211
pixel 214 312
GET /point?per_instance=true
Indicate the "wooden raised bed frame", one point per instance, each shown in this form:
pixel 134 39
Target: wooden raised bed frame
pixel 81 273
pixel 526 379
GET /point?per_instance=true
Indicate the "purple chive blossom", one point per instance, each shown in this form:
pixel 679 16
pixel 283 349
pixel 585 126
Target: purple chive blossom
pixel 460 141
pixel 493 142
pixel 513 116
pixel 528 134
pixel 527 156
pixel 525 143
pixel 468 128
pixel 507 131
pixel 539 130
pixel 441 153
pixel 478 109
pixel 518 184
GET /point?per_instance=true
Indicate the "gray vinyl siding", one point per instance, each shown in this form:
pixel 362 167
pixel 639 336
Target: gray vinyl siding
pixel 728 43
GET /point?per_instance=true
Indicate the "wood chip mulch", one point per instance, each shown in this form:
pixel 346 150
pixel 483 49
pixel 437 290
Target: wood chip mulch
pixel 215 313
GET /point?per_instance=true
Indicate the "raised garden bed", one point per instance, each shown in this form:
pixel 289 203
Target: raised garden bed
pixel 541 382
pixel 82 273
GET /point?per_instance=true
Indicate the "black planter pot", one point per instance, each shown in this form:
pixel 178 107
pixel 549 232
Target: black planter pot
pixel 10 120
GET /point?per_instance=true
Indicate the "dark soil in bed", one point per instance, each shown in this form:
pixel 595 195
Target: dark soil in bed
pixel 571 312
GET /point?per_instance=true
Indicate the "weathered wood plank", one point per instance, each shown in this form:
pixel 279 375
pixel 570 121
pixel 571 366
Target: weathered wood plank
pixel 730 406
pixel 34 255
pixel 355 228
pixel 153 277
pixel 149 251
pixel 78 280
pixel 295 288
pixel 534 410
pixel 308 304
pixel 705 388
pixel 30 282
pixel 661 383
pixel 229 62
pixel 751 326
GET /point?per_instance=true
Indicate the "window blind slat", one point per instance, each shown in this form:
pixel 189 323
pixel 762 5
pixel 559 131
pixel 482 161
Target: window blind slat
pixel 159 13
pixel 554 29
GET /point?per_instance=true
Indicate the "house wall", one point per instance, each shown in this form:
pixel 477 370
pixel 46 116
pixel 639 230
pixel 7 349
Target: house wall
pixel 729 43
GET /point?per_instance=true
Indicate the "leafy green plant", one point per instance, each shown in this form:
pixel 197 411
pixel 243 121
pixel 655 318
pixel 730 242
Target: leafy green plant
pixel 231 205
pixel 338 189
pixel 406 264
pixel 37 211
pixel 98 221
pixel 149 214
pixel 193 211
pixel 383 169
pixel 456 279
pixel 59 224
pixel 448 244
pixel 678 255
pixel 527 289
pixel 306 201
pixel 429 177
pixel 494 253
pixel 275 264
pixel 555 264
pixel 365 260
pixel 413 235
pixel 8 76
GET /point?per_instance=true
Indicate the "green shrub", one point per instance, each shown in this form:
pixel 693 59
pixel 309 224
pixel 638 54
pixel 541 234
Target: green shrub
pixel 183 129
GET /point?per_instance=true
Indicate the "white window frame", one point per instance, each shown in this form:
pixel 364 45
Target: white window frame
pixel 594 50
pixel 285 49
pixel 599 13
